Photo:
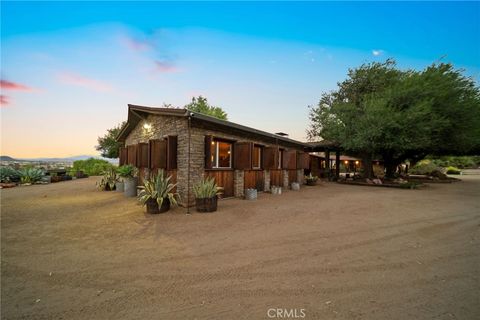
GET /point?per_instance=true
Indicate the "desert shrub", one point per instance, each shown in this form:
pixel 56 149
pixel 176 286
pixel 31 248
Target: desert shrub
pixel 453 170
pixel 426 167
pixel 31 175
pixel 9 174
pixel 91 167
pixel 456 161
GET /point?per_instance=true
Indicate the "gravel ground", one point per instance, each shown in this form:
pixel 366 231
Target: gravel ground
pixel 329 252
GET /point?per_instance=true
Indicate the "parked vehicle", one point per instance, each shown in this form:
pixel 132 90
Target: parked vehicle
pixel 158 194
pixel 206 195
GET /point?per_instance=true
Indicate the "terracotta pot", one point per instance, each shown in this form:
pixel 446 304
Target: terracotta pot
pixel 206 204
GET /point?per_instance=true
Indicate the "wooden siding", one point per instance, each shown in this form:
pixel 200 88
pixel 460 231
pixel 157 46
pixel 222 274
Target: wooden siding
pixel 254 179
pixel 276 178
pixel 123 156
pixel 224 179
pixel 158 154
pixel 292 176
pixel 143 154
pixel 171 152
pixel 242 155
pixel 290 159
pixel 270 158
pixel 132 155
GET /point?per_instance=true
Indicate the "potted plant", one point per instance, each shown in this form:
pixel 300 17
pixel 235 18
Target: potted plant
pixel 206 195
pixel 124 172
pixel 31 175
pixel 157 194
pixel 311 180
pixel 129 176
pixel 108 180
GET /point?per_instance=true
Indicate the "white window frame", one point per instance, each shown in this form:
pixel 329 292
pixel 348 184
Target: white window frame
pixel 217 149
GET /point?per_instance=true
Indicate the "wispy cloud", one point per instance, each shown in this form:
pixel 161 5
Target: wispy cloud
pixel 82 81
pixel 8 85
pixel 165 67
pixel 4 100
pixel 136 44
pixel 377 53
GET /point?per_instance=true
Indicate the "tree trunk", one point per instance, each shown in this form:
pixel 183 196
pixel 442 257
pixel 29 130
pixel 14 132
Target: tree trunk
pixel 367 161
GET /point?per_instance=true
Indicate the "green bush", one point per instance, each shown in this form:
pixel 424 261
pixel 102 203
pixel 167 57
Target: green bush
pixel 457 161
pixel 91 167
pixel 453 170
pixel 426 167
pixel 9 174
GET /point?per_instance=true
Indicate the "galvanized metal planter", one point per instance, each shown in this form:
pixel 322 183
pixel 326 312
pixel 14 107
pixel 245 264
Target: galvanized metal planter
pixel 251 194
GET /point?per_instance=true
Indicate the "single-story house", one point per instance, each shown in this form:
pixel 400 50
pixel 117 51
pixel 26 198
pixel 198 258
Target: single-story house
pixel 191 145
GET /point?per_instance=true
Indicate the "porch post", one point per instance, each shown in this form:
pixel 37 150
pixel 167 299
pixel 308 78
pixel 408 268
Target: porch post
pixel 337 164
pixel 327 163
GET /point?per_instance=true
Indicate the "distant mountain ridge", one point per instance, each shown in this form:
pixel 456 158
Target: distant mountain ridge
pixel 66 159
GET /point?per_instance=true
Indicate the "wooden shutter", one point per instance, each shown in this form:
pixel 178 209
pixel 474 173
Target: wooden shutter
pixel 132 155
pixel 142 155
pixel 270 158
pixel 171 152
pixel 122 153
pixel 158 154
pixel 242 153
pixel 290 159
pixel 208 154
pixel 302 160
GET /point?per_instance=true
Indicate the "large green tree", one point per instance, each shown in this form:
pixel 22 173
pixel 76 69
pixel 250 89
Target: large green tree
pixel 201 105
pixel 381 111
pixel 108 145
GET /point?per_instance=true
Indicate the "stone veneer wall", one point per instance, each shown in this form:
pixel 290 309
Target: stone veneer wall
pixel 162 126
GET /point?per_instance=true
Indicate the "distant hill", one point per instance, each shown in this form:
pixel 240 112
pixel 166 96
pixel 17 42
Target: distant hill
pixel 7 158
pixel 67 159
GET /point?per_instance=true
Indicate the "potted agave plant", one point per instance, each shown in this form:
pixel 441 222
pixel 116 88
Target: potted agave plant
pixel 206 195
pixel 157 194
pixel 108 180
pixel 311 180
pixel 124 172
pixel 129 176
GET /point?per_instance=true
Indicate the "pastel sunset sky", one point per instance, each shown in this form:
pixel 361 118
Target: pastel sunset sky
pixel 69 69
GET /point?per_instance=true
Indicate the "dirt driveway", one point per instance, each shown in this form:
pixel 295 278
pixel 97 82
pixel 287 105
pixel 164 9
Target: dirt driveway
pixel 336 251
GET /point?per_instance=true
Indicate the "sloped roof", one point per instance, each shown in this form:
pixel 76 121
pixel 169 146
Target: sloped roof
pixel 136 113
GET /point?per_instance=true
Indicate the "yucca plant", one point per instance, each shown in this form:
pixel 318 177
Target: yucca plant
pixel 158 189
pixel 108 180
pixel 31 175
pixel 207 188
pixel 206 193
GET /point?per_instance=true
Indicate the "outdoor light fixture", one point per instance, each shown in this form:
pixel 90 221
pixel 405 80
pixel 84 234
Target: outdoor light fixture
pixel 346 161
pixel 147 126
pixel 356 162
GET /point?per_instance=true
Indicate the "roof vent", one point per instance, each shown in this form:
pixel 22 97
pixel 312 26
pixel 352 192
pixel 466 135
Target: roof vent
pixel 283 134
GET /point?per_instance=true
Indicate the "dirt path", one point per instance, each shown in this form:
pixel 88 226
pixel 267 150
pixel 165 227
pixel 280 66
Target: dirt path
pixel 336 251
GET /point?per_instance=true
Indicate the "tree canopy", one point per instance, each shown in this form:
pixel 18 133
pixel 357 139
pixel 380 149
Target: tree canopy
pixel 200 105
pixel 107 145
pixel 380 110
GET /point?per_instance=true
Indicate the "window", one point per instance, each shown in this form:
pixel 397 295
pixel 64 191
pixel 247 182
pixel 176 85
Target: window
pixel 257 157
pixel 221 154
